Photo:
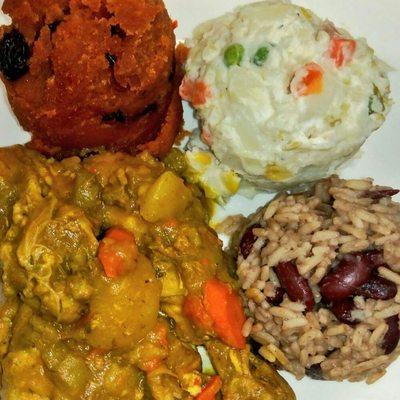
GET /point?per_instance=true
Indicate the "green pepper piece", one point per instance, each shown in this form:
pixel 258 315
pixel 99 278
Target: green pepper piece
pixel 261 56
pixel 233 55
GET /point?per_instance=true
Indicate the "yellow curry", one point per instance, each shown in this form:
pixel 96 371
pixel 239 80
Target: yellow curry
pixel 110 275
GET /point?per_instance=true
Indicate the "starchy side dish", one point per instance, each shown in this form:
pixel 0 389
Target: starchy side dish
pixel 111 278
pixel 91 73
pixel 320 272
pixel 283 97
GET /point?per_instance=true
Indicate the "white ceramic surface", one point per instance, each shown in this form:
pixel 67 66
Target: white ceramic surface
pixel 379 22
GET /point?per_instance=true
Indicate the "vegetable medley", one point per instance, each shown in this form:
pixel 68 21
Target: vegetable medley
pixel 112 279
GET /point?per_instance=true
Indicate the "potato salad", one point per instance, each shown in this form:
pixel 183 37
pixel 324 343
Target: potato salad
pixel 283 96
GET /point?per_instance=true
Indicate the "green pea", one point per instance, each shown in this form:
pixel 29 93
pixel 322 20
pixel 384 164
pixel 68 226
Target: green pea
pixel 233 55
pixel 261 56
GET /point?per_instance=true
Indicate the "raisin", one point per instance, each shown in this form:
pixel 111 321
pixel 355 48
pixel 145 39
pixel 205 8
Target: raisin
pixel 111 59
pixel 14 55
pixel 117 116
pixel 54 25
pixel 116 30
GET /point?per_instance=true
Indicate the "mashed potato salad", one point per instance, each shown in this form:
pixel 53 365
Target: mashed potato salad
pixel 284 97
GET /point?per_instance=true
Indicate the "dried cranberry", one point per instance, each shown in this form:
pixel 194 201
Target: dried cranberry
pixel 392 336
pixel 352 271
pixel 296 287
pixel 342 311
pixel 14 55
pixel 377 288
pixel 277 298
pixel 248 239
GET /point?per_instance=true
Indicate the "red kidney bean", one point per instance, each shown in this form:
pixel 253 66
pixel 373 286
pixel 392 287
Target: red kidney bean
pixel 352 271
pixel 295 285
pixel 342 311
pixel 377 288
pixel 392 336
pixel 248 239
pixel 380 194
pixel 375 257
pixel 277 298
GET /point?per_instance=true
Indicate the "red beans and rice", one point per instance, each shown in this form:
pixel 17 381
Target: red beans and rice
pixel 320 274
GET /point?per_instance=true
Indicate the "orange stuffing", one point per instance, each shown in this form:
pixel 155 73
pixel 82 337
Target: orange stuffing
pixel 101 73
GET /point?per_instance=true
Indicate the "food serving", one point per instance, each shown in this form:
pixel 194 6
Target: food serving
pixel 320 274
pixel 283 97
pixel 85 74
pixel 112 278
pixel 113 284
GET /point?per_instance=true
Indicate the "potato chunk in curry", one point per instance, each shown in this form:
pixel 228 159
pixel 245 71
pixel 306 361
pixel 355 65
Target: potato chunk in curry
pixel 131 309
pixel 110 275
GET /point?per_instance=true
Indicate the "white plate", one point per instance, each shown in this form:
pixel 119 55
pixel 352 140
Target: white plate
pixel 378 21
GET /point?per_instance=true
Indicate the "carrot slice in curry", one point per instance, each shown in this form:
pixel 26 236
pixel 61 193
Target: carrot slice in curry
pixel 194 309
pixel 211 389
pixel 117 252
pixel 224 307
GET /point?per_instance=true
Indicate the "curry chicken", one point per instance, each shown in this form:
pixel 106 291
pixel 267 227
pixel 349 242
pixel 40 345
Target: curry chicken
pixel 113 281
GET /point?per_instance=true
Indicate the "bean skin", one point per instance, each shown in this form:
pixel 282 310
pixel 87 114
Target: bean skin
pixel 277 298
pixel 392 336
pixel 352 271
pixel 342 311
pixel 381 194
pixel 248 239
pixel 295 285
pixel 377 288
pixel 315 372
